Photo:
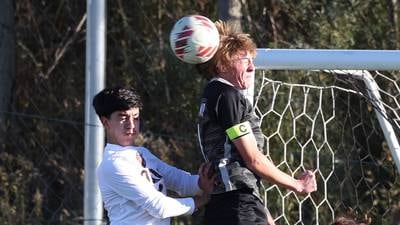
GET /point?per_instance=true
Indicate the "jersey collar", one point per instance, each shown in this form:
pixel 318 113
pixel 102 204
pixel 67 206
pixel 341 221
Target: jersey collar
pixel 222 80
pixel 114 147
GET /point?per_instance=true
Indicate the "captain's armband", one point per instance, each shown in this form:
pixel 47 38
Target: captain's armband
pixel 238 130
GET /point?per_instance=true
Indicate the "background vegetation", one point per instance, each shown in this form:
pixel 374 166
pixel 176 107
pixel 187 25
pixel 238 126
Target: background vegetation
pixel 42 87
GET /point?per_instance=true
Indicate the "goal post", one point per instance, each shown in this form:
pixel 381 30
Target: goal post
pixel 375 98
pixel 343 122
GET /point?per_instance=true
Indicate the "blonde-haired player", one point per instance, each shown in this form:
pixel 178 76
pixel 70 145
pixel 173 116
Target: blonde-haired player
pixel 231 139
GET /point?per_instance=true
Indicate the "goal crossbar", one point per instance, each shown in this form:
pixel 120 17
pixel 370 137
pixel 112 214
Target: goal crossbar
pixel 330 59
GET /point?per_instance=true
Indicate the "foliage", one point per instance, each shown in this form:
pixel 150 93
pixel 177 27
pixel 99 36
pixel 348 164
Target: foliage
pixel 41 169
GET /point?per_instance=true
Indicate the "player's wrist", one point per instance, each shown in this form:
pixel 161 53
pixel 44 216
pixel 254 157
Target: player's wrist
pixel 298 188
pixel 200 186
pixel 197 203
pixel 200 201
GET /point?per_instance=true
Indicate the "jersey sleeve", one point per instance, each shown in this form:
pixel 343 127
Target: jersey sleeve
pixel 175 179
pixel 125 179
pixel 230 112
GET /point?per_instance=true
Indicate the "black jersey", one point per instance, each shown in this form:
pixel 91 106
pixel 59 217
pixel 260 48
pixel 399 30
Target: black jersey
pixel 222 107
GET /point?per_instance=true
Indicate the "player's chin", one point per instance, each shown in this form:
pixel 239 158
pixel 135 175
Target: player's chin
pixel 247 84
pixel 131 136
pixel 129 139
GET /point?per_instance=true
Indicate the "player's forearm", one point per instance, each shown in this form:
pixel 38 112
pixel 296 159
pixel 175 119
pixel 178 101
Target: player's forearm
pixel 260 165
pixel 268 171
pixel 169 207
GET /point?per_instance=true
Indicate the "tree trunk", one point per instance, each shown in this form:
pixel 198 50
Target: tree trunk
pixel 7 63
pixel 396 18
pixel 231 11
pixel 7 54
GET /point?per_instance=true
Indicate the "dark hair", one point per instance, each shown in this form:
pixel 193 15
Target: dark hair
pixel 114 99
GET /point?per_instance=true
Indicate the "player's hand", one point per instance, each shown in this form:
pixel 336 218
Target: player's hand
pixel 308 183
pixel 206 179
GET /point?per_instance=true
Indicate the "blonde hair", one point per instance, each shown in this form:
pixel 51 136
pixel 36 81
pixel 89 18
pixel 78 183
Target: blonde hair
pixel 231 43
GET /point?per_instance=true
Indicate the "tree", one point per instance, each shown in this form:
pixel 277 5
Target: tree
pixel 41 159
pixel 394 7
pixel 7 53
pixel 230 11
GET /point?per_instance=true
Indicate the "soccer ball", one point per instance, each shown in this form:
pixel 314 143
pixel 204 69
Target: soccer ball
pixel 194 39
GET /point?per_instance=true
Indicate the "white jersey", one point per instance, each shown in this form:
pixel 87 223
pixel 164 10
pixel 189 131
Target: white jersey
pixel 133 194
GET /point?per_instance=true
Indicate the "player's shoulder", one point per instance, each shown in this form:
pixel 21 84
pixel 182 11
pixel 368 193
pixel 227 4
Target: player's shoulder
pixel 116 156
pixel 224 89
pixel 143 150
pixel 146 153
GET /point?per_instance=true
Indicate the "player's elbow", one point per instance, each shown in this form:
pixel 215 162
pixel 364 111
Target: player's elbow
pixel 156 208
pixel 253 164
pixel 160 213
pixel 169 207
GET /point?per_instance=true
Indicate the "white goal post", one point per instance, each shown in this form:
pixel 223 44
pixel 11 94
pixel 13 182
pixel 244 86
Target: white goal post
pixel 296 118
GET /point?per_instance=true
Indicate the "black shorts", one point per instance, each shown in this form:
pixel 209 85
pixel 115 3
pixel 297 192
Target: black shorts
pixel 238 207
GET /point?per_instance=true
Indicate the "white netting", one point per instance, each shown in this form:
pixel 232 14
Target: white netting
pixel 327 123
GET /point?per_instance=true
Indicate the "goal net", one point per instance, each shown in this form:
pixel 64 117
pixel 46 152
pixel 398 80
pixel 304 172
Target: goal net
pixel 344 129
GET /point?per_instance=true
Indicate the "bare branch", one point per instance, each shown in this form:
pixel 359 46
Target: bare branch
pixel 60 52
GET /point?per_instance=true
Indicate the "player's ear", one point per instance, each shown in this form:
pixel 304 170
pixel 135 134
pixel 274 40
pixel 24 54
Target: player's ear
pixel 104 121
pixel 220 69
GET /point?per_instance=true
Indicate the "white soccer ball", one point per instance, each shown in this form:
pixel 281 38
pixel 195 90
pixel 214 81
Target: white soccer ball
pixel 194 39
